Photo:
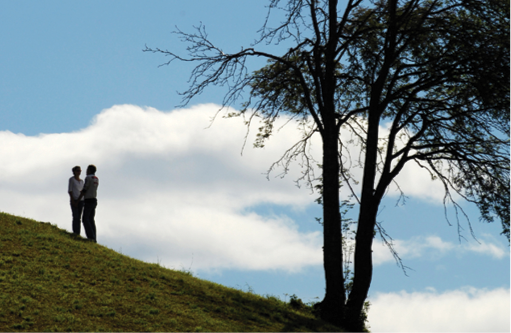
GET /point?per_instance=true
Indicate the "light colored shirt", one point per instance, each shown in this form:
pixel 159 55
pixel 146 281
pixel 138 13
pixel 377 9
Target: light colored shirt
pixel 75 187
pixel 91 187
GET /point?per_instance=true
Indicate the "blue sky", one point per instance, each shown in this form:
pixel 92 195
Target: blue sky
pixel 76 88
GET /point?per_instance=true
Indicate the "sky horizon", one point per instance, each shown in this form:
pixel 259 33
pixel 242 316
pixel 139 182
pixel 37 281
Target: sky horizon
pixel 182 191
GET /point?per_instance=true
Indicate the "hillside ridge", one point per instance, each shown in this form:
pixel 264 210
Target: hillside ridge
pixel 52 280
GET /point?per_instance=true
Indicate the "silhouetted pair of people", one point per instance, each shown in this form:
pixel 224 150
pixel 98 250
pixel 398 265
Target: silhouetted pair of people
pixel 83 195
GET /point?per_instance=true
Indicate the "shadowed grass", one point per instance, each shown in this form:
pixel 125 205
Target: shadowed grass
pixel 53 281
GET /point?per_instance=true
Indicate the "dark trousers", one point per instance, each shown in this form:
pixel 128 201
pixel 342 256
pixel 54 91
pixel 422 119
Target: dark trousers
pixel 89 211
pixel 77 216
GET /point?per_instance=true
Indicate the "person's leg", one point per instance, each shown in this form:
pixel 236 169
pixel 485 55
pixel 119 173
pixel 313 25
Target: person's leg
pixel 87 211
pixel 77 214
pixel 92 221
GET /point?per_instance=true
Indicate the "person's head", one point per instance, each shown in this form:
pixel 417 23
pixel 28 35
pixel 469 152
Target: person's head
pixel 76 170
pixel 91 169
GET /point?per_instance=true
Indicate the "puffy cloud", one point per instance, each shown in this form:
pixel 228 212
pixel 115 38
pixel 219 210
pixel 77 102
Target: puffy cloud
pixel 487 246
pixel 464 310
pixel 172 188
pixel 434 246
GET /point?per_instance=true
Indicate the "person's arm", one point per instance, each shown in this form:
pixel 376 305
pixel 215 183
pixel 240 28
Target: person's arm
pixel 70 191
pixel 85 187
pixel 73 201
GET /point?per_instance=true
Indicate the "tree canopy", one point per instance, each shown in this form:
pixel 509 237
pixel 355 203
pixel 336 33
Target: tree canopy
pixel 434 72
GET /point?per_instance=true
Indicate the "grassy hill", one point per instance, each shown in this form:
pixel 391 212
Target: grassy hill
pixel 53 281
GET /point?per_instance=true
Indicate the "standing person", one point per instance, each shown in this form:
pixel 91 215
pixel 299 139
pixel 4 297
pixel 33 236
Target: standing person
pixel 74 189
pixel 89 192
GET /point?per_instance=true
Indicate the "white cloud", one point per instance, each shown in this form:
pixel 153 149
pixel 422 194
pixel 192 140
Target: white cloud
pixel 416 181
pixel 464 310
pixel 487 246
pixel 408 249
pixel 434 247
pixel 169 188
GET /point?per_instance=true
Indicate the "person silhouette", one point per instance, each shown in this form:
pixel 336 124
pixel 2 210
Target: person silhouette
pixel 74 189
pixel 89 193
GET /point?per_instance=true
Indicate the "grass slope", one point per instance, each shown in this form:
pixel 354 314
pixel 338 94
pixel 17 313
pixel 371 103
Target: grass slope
pixel 52 281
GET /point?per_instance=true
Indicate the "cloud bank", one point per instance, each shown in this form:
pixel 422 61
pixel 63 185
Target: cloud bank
pixel 464 310
pixel 173 188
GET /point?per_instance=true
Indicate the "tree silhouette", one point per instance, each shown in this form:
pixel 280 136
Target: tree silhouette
pixel 434 72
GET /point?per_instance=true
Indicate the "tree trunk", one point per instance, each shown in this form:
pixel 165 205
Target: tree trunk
pixel 363 264
pixel 332 307
pixel 363 268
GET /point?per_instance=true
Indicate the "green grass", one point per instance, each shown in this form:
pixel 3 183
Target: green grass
pixel 53 281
